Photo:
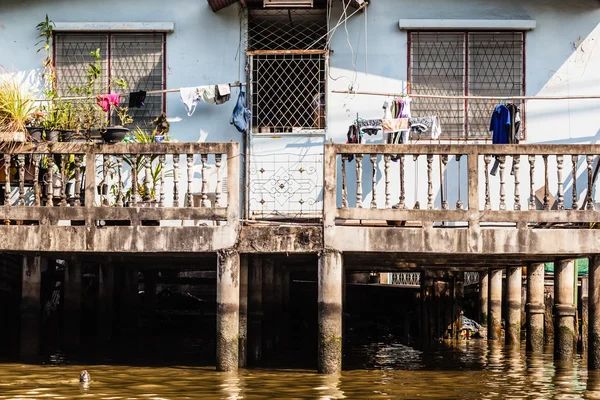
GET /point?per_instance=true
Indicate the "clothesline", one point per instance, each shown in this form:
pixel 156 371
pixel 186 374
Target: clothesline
pixel 235 84
pixel 507 98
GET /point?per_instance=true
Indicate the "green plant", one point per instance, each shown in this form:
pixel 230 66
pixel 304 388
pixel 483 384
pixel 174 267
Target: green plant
pixel 16 108
pixel 45 34
pixel 123 115
pixel 140 136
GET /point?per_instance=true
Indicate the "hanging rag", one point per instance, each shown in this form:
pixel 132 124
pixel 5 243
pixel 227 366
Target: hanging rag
pixel 420 125
pixel 354 137
pixel 394 125
pixel 137 99
pixel 222 93
pixel 106 100
pixel 241 115
pixel 207 94
pixel 369 126
pixel 190 99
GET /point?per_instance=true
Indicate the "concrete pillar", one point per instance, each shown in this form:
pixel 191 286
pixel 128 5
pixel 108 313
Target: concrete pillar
pixel 583 326
pixel 330 312
pixel 268 305
pixel 106 287
pixel 535 308
pixel 31 306
pixel 228 308
pixel 72 304
pixel 255 310
pixel 594 314
pixel 278 304
pixel 495 304
pixel 483 298
pixel 513 300
pixel 243 337
pixel 564 310
pixel 150 278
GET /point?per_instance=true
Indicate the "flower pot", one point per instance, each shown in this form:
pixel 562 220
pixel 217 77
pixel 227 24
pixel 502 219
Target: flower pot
pixel 158 138
pixel 35 132
pixel 102 189
pixel 52 135
pixel 114 134
pixel 66 135
pixel 69 192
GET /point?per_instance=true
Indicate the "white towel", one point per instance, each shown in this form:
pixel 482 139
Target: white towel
pixel 207 94
pixel 190 99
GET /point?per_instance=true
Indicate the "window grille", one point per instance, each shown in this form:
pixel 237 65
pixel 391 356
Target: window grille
pixel 465 63
pixel 288 92
pixel 136 58
pixel 287 29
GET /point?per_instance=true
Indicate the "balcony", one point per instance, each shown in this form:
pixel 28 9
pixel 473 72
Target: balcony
pixel 80 197
pixel 410 204
pixel 440 204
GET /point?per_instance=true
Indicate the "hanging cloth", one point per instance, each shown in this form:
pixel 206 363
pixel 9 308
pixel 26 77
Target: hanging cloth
pixel 241 116
pixel 137 99
pixel 106 100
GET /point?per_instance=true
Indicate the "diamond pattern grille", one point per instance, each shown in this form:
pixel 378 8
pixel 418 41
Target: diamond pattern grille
pixel 287 29
pixel 288 92
pixel 136 58
pixel 462 63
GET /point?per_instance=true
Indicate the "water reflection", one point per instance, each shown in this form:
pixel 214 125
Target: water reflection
pixel 388 370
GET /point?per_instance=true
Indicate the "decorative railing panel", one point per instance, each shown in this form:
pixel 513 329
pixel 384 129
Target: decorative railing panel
pixel 130 183
pixel 462 184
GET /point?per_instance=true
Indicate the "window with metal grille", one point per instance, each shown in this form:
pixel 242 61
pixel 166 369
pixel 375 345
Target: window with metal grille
pixel 287 77
pixel 465 64
pixel 137 58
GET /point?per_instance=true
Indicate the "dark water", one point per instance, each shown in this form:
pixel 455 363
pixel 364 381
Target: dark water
pixel 462 370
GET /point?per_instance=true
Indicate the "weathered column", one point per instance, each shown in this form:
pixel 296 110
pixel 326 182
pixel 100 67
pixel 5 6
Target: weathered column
pixel 564 310
pixel 584 322
pixel 255 310
pixel 513 294
pixel 268 305
pixel 594 314
pixel 228 306
pixel 72 304
pixel 330 312
pixel 150 278
pixel 106 287
pixel 483 298
pixel 243 340
pixel 535 308
pixel 31 306
pixel 495 304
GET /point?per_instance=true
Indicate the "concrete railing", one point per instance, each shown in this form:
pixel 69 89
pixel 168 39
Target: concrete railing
pixel 468 184
pixel 126 182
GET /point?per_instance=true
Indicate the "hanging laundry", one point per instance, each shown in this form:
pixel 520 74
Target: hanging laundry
pixel 354 137
pixel 420 125
pixel 394 125
pixel 137 99
pixel 190 99
pixel 106 100
pixel 222 94
pixel 515 123
pixel 369 126
pixel 241 115
pixel 500 125
pixel 207 94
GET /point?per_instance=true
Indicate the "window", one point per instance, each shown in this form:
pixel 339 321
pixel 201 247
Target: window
pixel 465 63
pixel 137 58
pixel 287 89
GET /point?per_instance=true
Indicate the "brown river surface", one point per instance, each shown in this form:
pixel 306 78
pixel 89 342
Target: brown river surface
pixel 463 370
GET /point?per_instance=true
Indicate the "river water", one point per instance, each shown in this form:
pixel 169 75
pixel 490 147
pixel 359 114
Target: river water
pixel 387 370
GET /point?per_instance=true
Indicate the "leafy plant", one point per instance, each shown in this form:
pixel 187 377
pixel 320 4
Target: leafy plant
pixel 16 108
pixel 45 34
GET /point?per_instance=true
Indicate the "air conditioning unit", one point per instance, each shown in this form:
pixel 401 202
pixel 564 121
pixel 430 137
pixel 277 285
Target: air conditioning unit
pixel 287 3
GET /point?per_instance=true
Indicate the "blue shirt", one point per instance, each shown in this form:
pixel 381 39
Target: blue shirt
pixel 500 125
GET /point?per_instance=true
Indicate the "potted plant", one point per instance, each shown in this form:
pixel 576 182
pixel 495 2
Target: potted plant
pixel 115 134
pixel 16 107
